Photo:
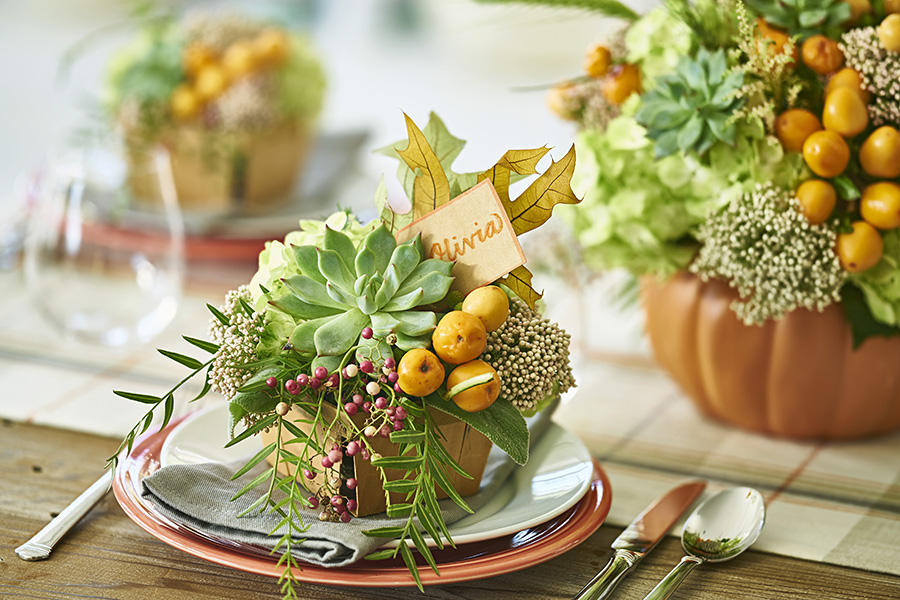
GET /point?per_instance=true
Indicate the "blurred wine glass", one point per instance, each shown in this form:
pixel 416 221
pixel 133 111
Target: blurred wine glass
pixel 103 264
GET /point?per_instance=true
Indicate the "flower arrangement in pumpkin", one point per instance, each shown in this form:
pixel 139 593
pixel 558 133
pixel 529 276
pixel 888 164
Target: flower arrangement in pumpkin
pixel 346 339
pixel 754 142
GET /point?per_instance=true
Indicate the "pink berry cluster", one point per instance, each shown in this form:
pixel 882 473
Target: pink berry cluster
pixel 365 391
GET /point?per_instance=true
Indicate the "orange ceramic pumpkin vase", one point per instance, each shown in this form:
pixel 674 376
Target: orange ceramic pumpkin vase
pixel 798 377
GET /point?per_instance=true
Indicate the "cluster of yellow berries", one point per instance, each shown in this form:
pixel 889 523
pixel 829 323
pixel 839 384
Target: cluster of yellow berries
pixel 826 151
pixel 209 74
pixel 459 339
pixel 620 81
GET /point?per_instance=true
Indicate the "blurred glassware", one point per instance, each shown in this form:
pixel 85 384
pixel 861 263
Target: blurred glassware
pixel 97 266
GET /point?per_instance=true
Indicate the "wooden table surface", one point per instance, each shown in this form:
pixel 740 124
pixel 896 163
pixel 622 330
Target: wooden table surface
pixel 108 556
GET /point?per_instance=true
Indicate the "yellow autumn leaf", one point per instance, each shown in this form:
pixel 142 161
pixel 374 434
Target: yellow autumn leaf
pixel 535 205
pixel 431 188
pixel 523 162
pixel 519 281
pixel 520 162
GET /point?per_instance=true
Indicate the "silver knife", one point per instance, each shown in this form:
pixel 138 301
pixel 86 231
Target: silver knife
pixel 640 537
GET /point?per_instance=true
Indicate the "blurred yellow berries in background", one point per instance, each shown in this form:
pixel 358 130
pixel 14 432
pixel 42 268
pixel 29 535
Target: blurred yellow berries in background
pixel 184 103
pixel 621 83
pixel 211 82
pixel 240 60
pixel 597 61
pixel 889 33
pixel 272 46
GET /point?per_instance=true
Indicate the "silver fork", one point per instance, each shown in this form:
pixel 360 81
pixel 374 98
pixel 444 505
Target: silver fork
pixel 40 546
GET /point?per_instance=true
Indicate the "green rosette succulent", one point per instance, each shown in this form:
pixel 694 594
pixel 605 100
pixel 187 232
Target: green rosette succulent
pixel 342 289
pixel 803 17
pixel 691 109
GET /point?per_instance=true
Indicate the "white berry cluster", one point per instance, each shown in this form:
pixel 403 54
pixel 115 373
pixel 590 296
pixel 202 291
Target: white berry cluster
pixel 880 71
pixel 531 355
pixel 237 342
pixel 766 249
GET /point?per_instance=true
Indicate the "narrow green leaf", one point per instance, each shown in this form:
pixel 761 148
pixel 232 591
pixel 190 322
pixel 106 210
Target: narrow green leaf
pixel 437 473
pixel 295 431
pixel 142 398
pixel 257 458
pixel 438 448
pixel 423 549
pixel 256 481
pixel 381 554
pixel 252 430
pixel 401 486
pixel 202 344
pixel 207 385
pixel 407 555
pixel 254 506
pixel 399 510
pixel 425 519
pixel 218 314
pixel 146 423
pixel 187 361
pixel 398 462
pixel 168 408
pixel 408 437
pixel 385 532
pixel 246 307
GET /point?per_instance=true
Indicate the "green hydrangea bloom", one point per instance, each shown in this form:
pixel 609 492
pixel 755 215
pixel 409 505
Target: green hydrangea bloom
pixel 881 283
pixel 276 262
pixel 657 42
pixel 301 83
pixel 640 213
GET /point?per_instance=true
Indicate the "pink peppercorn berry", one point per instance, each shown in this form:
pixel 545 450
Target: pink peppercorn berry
pixel 398 425
pixel 351 484
pixel 313 502
pixel 327 462
pixel 366 366
pixel 334 380
pixel 393 377
pixel 358 399
pixel 364 453
pixel 400 413
pixel 335 456
pixel 367 333
pixel 292 387
pixel 350 408
pixel 271 382
pixel 315 383
pixel 346 517
pixel 351 504
pixel 303 379
pixel 380 402
pixel 397 388
pixel 352 450
pixel 385 430
pixel 367 407
pixel 390 363
pixel 308 474
pixel 320 373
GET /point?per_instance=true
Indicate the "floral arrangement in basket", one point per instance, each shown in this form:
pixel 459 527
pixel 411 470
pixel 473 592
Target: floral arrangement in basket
pixel 753 142
pixel 216 89
pixel 358 350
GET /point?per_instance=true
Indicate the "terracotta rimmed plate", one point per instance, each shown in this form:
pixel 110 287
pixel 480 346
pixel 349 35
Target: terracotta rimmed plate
pixel 467 562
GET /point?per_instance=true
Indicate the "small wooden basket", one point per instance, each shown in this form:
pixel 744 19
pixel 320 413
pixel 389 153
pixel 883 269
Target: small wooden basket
pixel 467 446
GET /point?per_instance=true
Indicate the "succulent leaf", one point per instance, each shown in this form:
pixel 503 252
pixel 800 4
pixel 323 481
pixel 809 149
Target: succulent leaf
pixel 405 302
pixel 342 244
pixel 408 342
pixel 424 269
pixel 311 291
pixel 299 309
pixel 382 245
pixel 389 286
pixel 416 323
pixel 803 17
pixel 308 262
pixel 366 305
pixel 434 287
pixel 340 333
pixel 365 263
pixel 339 295
pixel 384 323
pixel 689 110
pixel 359 286
pixel 332 267
pixel 303 336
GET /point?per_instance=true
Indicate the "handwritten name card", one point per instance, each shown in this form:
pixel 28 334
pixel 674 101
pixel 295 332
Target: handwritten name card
pixel 473 230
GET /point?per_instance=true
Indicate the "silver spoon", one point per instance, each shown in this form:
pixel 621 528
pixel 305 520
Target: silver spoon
pixel 718 530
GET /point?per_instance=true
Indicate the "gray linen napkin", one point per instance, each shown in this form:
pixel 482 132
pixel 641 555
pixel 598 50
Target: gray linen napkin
pixel 198 496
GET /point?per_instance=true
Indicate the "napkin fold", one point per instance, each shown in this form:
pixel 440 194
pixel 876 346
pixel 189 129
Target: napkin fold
pixel 198 496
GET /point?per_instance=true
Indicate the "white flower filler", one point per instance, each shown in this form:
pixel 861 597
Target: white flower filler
pixel 531 355
pixel 237 342
pixel 880 71
pixel 764 246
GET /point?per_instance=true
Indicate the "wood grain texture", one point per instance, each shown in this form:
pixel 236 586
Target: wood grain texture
pixel 108 557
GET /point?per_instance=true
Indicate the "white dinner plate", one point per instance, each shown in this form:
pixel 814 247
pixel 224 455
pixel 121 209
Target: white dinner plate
pixel 556 477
